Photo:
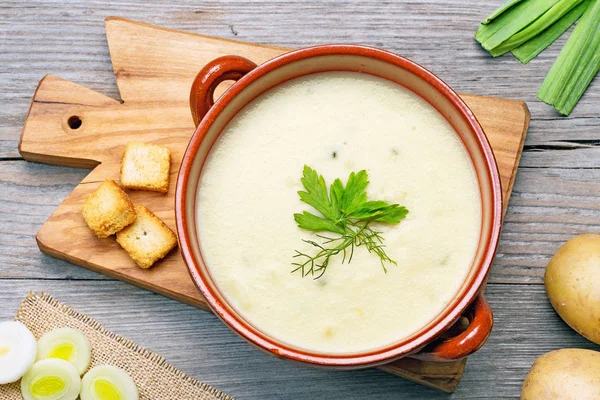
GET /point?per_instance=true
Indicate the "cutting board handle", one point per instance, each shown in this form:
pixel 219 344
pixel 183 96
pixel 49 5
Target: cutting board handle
pixel 226 68
pixel 66 125
pixel 467 342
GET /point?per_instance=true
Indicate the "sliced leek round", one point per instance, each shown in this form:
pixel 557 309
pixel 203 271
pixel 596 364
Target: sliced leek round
pixel 17 351
pixel 106 382
pixel 67 344
pixel 51 379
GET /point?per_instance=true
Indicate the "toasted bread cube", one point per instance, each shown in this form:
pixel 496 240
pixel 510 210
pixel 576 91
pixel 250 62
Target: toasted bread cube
pixel 146 166
pixel 108 209
pixel 148 239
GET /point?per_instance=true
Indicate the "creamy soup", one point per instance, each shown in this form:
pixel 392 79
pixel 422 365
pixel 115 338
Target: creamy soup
pixel 337 123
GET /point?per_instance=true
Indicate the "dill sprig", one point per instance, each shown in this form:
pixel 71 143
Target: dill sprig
pixel 346 212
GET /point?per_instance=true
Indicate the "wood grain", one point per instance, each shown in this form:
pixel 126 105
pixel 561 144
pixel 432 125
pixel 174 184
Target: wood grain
pixel 547 207
pixel 559 180
pixel 436 33
pixel 201 346
pixel 148 74
pixel 154 86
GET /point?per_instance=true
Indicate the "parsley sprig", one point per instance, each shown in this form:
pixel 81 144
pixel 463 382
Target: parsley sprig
pixel 345 212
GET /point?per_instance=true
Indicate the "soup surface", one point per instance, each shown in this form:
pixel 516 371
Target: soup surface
pixel 336 123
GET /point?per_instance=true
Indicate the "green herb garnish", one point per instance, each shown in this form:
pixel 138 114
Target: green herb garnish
pixel 346 212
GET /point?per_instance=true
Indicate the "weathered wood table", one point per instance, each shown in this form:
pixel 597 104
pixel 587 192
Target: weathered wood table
pixel 556 195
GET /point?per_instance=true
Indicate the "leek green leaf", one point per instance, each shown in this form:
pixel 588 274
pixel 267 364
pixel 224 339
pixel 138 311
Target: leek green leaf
pixel 511 22
pixel 500 10
pixel 576 65
pixel 530 49
pixel 536 27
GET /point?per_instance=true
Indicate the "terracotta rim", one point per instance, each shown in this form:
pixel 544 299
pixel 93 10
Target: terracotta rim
pixel 375 357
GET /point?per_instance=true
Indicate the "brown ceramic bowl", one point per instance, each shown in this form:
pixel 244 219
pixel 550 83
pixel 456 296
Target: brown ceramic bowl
pixel 436 341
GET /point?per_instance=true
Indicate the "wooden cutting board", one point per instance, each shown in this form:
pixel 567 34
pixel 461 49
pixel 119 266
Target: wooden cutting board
pixel 73 126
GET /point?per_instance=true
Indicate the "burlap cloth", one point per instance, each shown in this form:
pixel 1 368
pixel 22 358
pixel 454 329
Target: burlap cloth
pixel 154 378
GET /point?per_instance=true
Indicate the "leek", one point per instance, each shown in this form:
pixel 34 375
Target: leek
pixel 51 379
pixel 511 21
pixel 576 65
pixel 67 344
pixel 106 382
pixel 555 13
pixel 17 351
pixel 501 10
pixel 530 49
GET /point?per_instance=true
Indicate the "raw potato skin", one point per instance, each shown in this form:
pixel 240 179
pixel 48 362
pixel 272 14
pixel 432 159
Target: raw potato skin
pixel 566 374
pixel 572 282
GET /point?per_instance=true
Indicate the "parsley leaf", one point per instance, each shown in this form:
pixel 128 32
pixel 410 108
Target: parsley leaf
pixel 345 211
pixel 380 211
pixel 355 194
pixel 316 194
pixel 311 222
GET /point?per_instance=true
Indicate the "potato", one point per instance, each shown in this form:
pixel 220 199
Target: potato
pixel 573 284
pixel 564 375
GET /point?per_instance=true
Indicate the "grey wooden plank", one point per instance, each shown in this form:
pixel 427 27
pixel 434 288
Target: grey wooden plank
pixel 548 206
pixel 553 199
pixel 67 39
pixel 562 142
pixel 200 345
pixel 29 193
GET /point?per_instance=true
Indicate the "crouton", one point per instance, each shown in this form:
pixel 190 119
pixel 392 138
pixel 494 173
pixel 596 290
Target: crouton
pixel 108 209
pixel 146 167
pixel 148 239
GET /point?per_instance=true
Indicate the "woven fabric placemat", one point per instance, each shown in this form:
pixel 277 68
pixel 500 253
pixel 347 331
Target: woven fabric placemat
pixel 153 376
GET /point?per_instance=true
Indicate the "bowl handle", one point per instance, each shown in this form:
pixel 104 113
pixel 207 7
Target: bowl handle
pixel 467 342
pixel 226 68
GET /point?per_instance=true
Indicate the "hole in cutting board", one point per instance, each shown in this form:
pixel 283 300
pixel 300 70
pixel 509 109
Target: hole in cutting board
pixel 74 122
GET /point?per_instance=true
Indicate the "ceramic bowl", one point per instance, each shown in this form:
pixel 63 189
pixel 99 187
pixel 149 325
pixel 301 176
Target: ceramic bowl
pixel 436 341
